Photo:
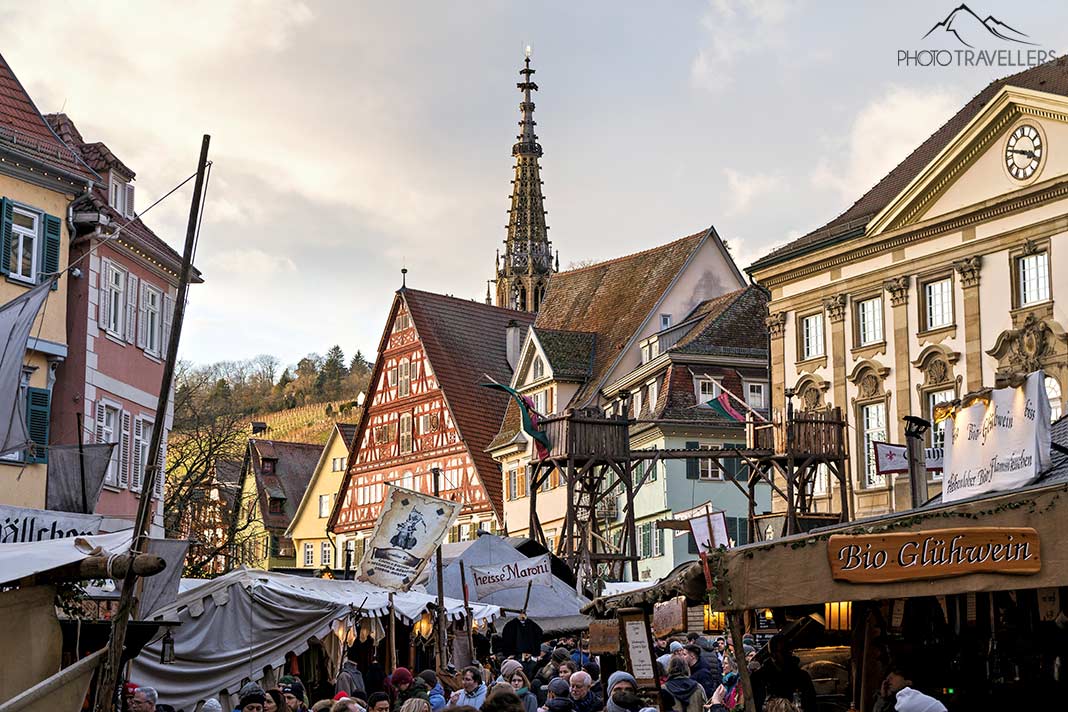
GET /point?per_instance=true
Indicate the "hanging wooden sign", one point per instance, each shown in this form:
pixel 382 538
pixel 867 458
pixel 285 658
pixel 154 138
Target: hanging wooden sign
pixel 604 637
pixel 669 617
pixel 936 553
pixel 638 646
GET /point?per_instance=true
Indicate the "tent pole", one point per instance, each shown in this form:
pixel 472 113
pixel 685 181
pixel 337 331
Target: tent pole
pixel 391 641
pixel 81 463
pixel 467 611
pixel 441 651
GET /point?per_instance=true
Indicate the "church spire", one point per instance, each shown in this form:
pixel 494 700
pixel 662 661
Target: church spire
pixel 523 274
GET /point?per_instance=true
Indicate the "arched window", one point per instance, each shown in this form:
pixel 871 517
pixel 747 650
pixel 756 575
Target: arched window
pixel 539 368
pixel 1053 392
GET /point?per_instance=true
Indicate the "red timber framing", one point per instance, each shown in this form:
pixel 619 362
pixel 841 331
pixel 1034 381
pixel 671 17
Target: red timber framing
pixel 425 411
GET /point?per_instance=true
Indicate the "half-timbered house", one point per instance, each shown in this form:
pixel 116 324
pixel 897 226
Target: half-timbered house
pixel 427 412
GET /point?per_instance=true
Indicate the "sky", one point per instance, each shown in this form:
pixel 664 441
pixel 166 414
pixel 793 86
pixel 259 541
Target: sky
pixel 352 139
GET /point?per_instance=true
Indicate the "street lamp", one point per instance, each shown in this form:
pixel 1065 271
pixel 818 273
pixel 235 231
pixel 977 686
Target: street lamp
pixel 166 648
pixel 915 430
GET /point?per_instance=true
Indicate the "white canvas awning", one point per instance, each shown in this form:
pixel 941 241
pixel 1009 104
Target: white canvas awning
pixel 28 558
pixel 236 626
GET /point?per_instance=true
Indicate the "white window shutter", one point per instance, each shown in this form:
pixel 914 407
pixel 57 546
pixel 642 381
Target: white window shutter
pixel 130 201
pixel 103 295
pixel 124 451
pixel 142 318
pixel 131 307
pixel 168 317
pixel 99 422
pixel 138 466
pixel 162 465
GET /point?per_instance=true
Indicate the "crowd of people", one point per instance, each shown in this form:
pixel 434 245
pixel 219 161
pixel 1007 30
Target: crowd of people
pixel 697 674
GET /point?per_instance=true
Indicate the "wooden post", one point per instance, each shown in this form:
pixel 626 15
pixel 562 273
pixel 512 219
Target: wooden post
pixel 440 627
pixel 81 463
pixel 109 675
pixel 391 639
pixel 734 622
pixel 467 612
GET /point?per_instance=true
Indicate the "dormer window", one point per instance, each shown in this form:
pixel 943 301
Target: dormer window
pixel 121 196
pixel 275 505
pixel 268 466
pixel 650 349
pixel 539 368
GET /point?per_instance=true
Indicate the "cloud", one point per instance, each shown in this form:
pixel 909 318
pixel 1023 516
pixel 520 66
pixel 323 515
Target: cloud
pixel 883 133
pixel 736 29
pixel 742 189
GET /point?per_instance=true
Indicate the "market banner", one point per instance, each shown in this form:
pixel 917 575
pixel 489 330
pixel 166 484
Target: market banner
pixel 514 574
pixel 19 525
pixel 893 459
pixel 76 476
pixel 1000 444
pixel 408 530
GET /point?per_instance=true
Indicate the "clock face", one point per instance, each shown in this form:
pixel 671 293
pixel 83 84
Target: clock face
pixel 1023 152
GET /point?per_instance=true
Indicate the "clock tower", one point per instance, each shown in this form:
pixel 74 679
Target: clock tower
pixel 523 271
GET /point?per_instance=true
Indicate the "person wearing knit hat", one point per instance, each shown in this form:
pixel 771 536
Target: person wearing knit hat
pixel 435 690
pixel 408 687
pixel 559 697
pixel 211 705
pixel 250 698
pixel 622 680
pixel 623 701
pixel 293 692
pixel 910 700
pixel 560 655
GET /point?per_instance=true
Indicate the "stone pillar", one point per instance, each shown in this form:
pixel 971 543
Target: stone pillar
pixel 898 290
pixel 776 324
pixel 836 309
pixel 968 270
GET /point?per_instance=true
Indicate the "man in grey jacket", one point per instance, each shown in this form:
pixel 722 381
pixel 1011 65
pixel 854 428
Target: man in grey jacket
pixel 350 679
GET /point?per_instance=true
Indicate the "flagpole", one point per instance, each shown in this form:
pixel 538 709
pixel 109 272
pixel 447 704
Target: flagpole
pixel 81 462
pixel 106 692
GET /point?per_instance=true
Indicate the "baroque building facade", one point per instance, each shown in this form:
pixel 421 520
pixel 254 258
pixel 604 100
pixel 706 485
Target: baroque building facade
pixel 944 279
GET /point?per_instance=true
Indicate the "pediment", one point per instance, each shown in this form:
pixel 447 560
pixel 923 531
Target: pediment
pixel 972 168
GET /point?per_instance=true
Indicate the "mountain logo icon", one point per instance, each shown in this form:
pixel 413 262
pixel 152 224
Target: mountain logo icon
pixel 964 24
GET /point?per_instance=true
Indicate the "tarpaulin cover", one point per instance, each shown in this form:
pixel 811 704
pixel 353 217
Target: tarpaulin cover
pixel 555 607
pixel 235 626
pixel 16 320
pixel 28 558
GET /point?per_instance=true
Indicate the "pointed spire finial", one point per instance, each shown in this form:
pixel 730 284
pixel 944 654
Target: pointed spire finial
pixel 404 277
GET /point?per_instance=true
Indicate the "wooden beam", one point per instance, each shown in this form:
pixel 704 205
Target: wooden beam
pixel 96 567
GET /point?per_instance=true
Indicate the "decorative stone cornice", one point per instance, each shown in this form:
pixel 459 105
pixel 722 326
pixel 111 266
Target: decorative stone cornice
pixel 968 269
pixel 898 289
pixel 776 323
pixel 835 306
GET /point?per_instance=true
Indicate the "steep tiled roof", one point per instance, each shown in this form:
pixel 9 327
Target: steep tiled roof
pixel 466 342
pixel 100 157
pixel 731 324
pixel 348 433
pixel 1051 77
pixel 612 299
pixel 570 353
pixel 24 131
pixel 294 466
pixel 677 400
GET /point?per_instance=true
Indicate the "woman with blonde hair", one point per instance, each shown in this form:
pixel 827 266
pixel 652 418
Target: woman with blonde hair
pixel 415 704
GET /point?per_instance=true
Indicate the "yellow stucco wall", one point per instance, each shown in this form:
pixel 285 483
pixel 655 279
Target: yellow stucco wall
pixel 308 526
pixel 25 484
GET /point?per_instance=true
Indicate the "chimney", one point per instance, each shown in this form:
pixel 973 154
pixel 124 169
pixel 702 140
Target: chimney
pixel 513 343
pixel 915 429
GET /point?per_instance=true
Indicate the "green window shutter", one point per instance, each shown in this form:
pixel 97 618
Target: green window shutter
pixel 691 544
pixel 7 214
pixel 38 402
pixel 692 470
pixel 53 233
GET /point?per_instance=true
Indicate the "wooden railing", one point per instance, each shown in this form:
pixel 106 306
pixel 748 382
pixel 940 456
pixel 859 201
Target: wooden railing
pixel 585 435
pixel 806 433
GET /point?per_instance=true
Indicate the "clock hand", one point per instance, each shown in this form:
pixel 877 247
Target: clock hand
pixel 1029 154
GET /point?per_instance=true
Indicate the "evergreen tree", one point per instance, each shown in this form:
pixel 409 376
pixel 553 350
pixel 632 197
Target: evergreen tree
pixel 359 364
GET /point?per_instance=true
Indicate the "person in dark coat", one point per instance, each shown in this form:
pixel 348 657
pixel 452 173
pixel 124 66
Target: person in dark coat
pixel 583 698
pixel 558 697
pixel 350 679
pixel 681 693
pixel 782 676
pixel 708 677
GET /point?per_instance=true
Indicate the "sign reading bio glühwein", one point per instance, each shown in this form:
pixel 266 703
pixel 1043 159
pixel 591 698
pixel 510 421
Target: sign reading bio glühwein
pixel 998 445
pixel 936 553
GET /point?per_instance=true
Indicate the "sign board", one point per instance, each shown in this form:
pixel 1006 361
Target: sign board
pixel 669 617
pixel 408 530
pixel 936 553
pixel 514 574
pixel 893 459
pixel 22 524
pixel 604 637
pixel 638 645
pixel 998 445
pixel 710 531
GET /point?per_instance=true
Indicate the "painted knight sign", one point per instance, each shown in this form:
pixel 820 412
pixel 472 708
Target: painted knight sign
pixel 936 553
pixel 409 529
pixel 998 445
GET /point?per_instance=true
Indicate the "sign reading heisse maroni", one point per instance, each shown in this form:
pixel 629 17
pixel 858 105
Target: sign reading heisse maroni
pixel 514 574
pixel 936 553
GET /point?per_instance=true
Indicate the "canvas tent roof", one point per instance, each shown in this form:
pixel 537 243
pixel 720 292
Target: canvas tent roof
pixel 247 620
pixel 555 608
pixel 20 560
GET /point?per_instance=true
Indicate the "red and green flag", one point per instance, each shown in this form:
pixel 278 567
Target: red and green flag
pixel 530 417
pixel 721 404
